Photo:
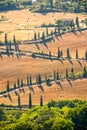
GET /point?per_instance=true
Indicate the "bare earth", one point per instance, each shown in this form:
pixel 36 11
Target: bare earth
pixel 22 24
pixel 74 90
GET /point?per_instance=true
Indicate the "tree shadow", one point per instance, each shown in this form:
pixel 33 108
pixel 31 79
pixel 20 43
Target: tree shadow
pixel 41 87
pixel 44 42
pixel 16 93
pixel 23 90
pixel 9 96
pixel 61 61
pixel 79 63
pixel 59 84
pixel 69 82
pixel 31 89
pixel 70 61
pixel 37 46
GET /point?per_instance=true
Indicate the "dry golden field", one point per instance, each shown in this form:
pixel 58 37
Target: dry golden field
pixel 22 24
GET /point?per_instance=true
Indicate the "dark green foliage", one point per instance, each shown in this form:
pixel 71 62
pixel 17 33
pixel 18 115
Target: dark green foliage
pixel 54 75
pixel 47 32
pixel 14 85
pixel 77 54
pixel 19 103
pixel 86 55
pixel 67 75
pixel 30 101
pixel 72 70
pixel 77 22
pixel 50 54
pixel 39 79
pixel 21 82
pixel 8 86
pixel 68 53
pixel 30 80
pixel 41 100
pixel 35 36
pixel 59 53
pixel 43 36
pixel 18 82
pixel 57 75
pixel 84 72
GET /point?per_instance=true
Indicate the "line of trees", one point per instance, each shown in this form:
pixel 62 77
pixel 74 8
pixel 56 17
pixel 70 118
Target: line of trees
pixel 30 104
pixel 69 74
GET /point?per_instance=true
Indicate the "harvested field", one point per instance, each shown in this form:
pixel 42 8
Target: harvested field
pixel 68 90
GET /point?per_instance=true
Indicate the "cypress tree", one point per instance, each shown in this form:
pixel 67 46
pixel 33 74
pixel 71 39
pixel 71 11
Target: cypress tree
pixel 18 82
pixel 72 70
pixel 46 79
pixel 30 80
pixel 21 83
pixel 84 72
pixel 67 75
pixel 59 53
pixel 54 75
pixel 51 33
pixel 15 42
pixel 38 35
pixel 39 79
pixel 77 54
pixel 19 103
pixel 35 37
pixel 50 54
pixel 68 53
pixel 6 43
pixel 43 36
pixel 77 22
pixel 8 86
pixel 55 31
pixel 14 85
pixel 30 101
pixel 57 75
pixel 41 101
pixel 86 55
pixel 47 32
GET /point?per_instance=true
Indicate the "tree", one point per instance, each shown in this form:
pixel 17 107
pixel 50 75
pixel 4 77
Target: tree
pixel 30 80
pixel 84 72
pixel 68 53
pixel 77 22
pixel 35 37
pixel 59 53
pixel 39 79
pixel 30 101
pixel 50 54
pixel 41 101
pixel 21 83
pixel 19 103
pixel 43 36
pixel 6 43
pixel 54 75
pixel 67 75
pixel 14 85
pixel 76 53
pixel 72 70
pixel 57 75
pixel 38 35
pixel 8 86
pixel 47 32
pixel 86 55
pixel 15 44
pixel 18 82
